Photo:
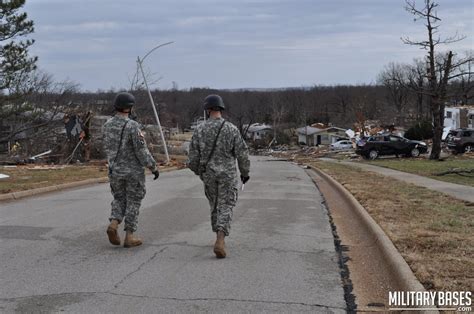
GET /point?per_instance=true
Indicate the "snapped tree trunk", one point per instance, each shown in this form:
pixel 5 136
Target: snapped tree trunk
pixel 438 107
pixel 438 120
pixel 419 98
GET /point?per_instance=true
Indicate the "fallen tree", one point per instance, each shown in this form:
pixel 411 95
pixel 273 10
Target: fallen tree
pixel 459 171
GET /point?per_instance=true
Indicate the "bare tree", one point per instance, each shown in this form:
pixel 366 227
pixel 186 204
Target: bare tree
pixel 343 98
pixel 463 85
pixel 241 109
pixel 137 83
pixel 278 112
pixel 35 105
pixel 416 83
pixel 395 78
pixel 439 68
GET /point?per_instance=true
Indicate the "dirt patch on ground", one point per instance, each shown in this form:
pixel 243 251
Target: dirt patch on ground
pixel 432 231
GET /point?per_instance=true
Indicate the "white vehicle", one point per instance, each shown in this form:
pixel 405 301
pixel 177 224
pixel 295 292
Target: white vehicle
pixel 341 145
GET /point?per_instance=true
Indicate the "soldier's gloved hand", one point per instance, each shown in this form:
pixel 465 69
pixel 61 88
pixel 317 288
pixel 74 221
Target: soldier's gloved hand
pixel 156 173
pixel 244 179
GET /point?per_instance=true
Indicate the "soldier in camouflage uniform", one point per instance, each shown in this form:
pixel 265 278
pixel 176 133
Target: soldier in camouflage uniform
pixel 217 168
pixel 127 156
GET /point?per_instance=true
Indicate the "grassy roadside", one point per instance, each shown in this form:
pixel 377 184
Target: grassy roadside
pixel 432 231
pixel 430 168
pixel 30 177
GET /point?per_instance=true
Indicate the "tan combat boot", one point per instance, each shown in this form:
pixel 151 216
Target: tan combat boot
pixel 112 232
pixel 131 240
pixel 219 247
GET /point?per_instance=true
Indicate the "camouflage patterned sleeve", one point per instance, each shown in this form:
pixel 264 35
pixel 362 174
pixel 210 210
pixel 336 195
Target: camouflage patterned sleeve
pixel 106 142
pixel 140 148
pixel 194 156
pixel 242 154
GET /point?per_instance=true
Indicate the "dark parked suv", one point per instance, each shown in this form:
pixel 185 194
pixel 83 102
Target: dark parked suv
pixel 461 140
pixel 388 144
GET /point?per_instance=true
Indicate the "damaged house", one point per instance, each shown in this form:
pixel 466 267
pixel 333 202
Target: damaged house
pixel 312 136
pixel 258 131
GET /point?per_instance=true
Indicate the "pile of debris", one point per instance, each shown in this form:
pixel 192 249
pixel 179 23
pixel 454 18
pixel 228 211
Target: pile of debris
pixel 310 151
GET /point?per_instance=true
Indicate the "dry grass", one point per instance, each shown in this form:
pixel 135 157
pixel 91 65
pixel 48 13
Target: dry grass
pixel 178 161
pixel 186 136
pixel 31 177
pixel 432 231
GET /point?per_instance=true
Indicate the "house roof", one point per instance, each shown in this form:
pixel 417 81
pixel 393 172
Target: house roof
pixel 309 130
pixel 335 128
pixel 256 127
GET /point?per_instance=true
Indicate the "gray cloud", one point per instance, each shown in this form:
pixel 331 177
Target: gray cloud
pixel 230 43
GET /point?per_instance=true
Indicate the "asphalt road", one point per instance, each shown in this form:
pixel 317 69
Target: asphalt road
pixel 55 255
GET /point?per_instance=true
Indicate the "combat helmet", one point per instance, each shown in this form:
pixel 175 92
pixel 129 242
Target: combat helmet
pixel 124 101
pixel 214 102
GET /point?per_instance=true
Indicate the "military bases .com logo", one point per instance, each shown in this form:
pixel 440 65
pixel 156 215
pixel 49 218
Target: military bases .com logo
pixel 430 300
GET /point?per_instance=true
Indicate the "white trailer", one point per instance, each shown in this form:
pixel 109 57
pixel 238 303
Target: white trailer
pixel 457 118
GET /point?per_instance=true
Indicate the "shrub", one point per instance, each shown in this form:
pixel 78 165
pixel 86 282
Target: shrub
pixel 422 130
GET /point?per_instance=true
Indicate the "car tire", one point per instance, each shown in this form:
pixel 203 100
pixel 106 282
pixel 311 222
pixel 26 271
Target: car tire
pixel 373 154
pixel 469 148
pixel 415 152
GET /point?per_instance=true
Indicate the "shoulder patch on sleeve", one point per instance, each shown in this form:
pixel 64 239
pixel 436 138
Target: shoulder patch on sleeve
pixel 140 137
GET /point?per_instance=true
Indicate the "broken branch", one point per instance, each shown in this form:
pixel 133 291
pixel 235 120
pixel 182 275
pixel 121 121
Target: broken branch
pixel 455 171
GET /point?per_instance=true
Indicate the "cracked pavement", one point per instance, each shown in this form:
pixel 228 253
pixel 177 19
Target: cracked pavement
pixel 55 255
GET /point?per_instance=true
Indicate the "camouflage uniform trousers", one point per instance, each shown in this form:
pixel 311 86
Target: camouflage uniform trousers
pixel 128 193
pixel 222 196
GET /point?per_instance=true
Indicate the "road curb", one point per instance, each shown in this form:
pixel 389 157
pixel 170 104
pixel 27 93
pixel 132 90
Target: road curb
pixel 393 258
pixel 60 187
pixel 397 264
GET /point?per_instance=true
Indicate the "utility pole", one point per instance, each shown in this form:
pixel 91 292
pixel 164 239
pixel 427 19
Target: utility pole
pixel 140 64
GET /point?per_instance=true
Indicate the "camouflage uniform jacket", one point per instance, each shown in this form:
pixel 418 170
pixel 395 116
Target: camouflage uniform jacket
pixel 133 155
pixel 229 147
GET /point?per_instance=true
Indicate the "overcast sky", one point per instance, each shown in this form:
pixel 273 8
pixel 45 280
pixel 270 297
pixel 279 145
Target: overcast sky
pixel 232 43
